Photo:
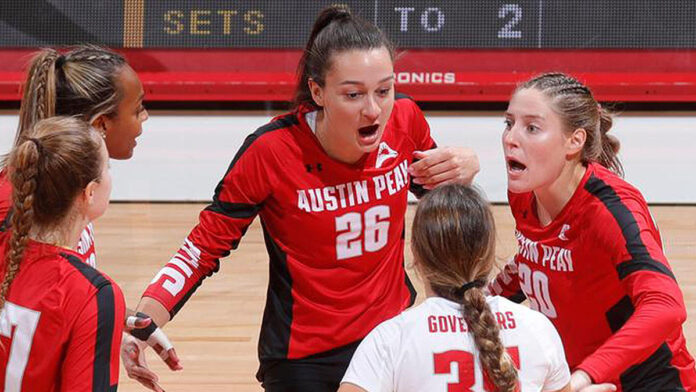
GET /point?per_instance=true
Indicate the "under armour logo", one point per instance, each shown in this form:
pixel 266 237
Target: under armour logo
pixel 561 235
pixel 310 167
pixel 385 152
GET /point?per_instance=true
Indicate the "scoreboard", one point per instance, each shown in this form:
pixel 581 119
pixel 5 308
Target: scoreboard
pixel 455 50
pixel 567 24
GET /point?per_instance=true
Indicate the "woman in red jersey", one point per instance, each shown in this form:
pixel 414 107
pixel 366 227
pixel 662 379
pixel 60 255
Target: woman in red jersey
pixel 98 86
pixel 589 256
pixel 94 84
pixel 329 181
pixel 60 327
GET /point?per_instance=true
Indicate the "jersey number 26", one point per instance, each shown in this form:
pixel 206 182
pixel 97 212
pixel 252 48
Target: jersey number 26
pixel 357 233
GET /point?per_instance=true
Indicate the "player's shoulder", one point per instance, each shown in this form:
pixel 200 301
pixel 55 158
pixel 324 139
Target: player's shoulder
pixel 608 187
pixel 278 128
pixel 82 280
pixel 522 317
pixel 392 329
pixel 611 199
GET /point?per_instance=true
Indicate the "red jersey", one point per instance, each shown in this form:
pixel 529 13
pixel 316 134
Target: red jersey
pixel 334 232
pixel 599 273
pixel 5 200
pixel 85 246
pixel 61 325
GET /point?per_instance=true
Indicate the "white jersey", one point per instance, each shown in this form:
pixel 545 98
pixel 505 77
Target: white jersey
pixel 428 348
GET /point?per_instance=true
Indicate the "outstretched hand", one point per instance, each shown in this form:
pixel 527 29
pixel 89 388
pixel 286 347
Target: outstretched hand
pixel 133 359
pixel 139 333
pixel 143 328
pixel 444 165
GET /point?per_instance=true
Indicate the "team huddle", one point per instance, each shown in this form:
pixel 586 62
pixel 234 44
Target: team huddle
pixel 604 312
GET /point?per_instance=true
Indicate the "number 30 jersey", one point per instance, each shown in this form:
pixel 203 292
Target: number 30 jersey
pixel 430 348
pixel 599 273
pixel 334 232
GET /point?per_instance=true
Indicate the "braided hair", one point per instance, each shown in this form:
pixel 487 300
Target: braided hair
pixel 453 244
pixel 576 105
pixel 83 82
pixel 56 160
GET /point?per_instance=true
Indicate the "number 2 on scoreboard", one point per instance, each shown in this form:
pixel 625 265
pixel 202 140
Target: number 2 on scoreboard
pixel 465 362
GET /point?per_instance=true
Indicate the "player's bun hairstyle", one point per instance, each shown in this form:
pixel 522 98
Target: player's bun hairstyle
pixel 82 82
pixel 55 161
pixel 576 105
pixel 335 30
pixel 453 244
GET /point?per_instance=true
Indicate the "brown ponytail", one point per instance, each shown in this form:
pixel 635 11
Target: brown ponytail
pixel 453 243
pixel 479 318
pixel 24 180
pixel 610 143
pixel 39 92
pixel 48 169
pixel 574 102
pixel 335 30
pixel 83 82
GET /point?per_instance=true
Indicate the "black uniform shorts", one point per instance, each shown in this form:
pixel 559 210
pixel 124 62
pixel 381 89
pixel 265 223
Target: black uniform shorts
pixel 317 373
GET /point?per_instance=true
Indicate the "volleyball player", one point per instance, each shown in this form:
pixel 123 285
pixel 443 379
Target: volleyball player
pixel 458 339
pixel 94 84
pixel 329 181
pixel 590 256
pixel 61 320
pixel 98 86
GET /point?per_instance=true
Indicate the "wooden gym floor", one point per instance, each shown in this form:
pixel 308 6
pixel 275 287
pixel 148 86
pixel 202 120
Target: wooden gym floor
pixel 216 333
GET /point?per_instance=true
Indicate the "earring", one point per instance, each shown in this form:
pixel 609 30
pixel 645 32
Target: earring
pixel 102 132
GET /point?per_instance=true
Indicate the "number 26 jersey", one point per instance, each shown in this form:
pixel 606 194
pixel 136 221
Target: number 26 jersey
pixel 334 232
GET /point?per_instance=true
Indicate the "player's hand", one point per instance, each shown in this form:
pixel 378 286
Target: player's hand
pixel 580 381
pixel 143 328
pixel 133 359
pixel 444 165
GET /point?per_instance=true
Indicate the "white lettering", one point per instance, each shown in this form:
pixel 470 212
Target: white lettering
pixel 425 19
pixel 380 186
pixel 330 198
pixel 404 17
pixel 302 202
pixel 361 191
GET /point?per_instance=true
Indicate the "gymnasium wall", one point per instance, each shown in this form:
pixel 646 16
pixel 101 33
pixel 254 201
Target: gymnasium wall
pixel 181 157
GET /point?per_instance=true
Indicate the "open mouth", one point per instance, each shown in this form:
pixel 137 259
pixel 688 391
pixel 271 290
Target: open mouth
pixel 515 166
pixel 368 131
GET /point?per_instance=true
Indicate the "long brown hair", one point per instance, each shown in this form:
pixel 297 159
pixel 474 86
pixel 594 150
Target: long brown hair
pixel 58 158
pixel 82 82
pixel 576 105
pixel 335 30
pixel 453 243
